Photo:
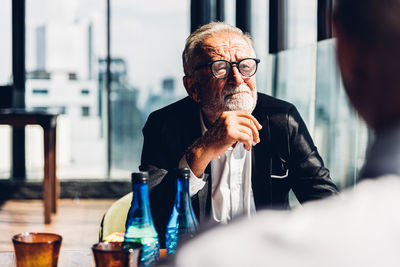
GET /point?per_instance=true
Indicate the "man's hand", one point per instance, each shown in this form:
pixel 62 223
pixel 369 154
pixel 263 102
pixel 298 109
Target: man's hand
pixel 231 127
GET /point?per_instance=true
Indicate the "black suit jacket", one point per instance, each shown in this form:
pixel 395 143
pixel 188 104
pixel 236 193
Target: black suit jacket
pixel 284 159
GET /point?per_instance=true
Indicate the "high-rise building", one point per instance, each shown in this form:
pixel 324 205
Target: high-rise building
pixel 64 82
pixel 126 119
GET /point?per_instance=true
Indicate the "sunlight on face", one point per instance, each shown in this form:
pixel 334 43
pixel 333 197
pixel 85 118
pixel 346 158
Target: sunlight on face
pixel 233 98
pixel 236 92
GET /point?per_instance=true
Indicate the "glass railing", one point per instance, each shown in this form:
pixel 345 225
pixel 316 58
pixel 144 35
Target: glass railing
pixel 339 133
pixel 309 78
pixel 295 79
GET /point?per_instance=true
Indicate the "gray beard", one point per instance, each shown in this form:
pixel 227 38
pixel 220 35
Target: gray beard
pixel 231 101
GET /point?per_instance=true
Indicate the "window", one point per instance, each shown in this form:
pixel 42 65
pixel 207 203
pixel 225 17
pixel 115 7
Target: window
pixel 40 91
pixel 259 29
pixel 66 51
pixel 148 38
pixel 230 11
pixel 38 75
pixel 62 110
pixel 85 92
pixel 306 74
pixel 63 39
pixel 43 109
pixel 85 111
pixel 340 135
pixel 296 80
pixel 72 76
pixel 302 22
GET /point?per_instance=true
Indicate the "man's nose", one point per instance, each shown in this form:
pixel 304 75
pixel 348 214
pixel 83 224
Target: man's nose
pixel 235 77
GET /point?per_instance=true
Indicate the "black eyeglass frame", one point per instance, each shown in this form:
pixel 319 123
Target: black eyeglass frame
pixel 209 64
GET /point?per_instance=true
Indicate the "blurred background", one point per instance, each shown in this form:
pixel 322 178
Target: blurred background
pixel 105 65
pixel 67 44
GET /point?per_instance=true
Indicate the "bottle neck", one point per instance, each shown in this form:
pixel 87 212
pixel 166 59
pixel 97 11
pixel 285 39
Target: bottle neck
pixel 182 199
pixel 140 207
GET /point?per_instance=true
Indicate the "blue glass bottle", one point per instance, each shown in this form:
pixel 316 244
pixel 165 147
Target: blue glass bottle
pixel 183 221
pixel 139 223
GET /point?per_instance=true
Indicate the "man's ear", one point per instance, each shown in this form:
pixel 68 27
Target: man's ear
pixel 191 88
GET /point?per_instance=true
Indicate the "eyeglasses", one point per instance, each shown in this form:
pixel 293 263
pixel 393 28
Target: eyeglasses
pixel 220 69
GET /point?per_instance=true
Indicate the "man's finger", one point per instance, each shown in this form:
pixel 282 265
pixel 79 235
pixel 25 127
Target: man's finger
pixel 246 122
pixel 243 113
pixel 245 138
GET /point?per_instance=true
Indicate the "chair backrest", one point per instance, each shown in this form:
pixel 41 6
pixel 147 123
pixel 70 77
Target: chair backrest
pixel 115 217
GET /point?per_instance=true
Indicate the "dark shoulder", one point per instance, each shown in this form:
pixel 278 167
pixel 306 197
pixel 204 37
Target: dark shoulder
pixel 272 106
pixel 181 110
pixel 283 117
pixel 278 113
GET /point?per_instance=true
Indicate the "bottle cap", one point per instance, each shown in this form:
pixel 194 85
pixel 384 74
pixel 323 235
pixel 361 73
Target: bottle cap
pixel 140 177
pixel 182 172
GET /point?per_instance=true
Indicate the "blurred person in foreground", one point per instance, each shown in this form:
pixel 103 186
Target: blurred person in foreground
pixel 362 228
pixel 245 150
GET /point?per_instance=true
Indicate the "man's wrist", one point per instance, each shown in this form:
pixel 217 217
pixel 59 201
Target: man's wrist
pixel 195 183
pixel 198 156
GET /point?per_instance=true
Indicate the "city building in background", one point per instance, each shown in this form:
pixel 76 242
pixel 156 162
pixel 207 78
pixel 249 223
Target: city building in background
pixel 64 83
pixel 127 119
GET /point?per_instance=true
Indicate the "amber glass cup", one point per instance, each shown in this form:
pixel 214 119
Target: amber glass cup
pixel 37 249
pixel 111 254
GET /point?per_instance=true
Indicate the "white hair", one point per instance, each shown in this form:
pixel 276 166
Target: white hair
pixel 192 51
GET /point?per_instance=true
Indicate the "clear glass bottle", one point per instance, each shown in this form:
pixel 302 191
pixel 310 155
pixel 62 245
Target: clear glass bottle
pixel 139 227
pixel 183 221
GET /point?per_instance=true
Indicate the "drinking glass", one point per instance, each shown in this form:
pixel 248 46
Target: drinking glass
pixel 112 254
pixel 37 249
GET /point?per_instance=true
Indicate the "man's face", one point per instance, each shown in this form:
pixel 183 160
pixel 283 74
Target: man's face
pixel 235 92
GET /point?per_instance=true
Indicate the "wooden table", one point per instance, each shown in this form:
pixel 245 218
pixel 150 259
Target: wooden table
pixel 69 258
pixel 48 121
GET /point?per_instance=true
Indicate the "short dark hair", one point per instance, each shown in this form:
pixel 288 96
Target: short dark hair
pixel 370 22
pixel 371 28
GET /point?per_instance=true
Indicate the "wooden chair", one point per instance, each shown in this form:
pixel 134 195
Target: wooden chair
pixel 48 121
pixel 115 217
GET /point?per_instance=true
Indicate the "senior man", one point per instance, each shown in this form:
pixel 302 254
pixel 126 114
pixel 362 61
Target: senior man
pixel 245 149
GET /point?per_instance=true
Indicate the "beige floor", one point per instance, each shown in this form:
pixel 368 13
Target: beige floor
pixel 77 221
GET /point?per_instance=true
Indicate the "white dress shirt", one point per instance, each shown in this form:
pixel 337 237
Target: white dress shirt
pixel 231 191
